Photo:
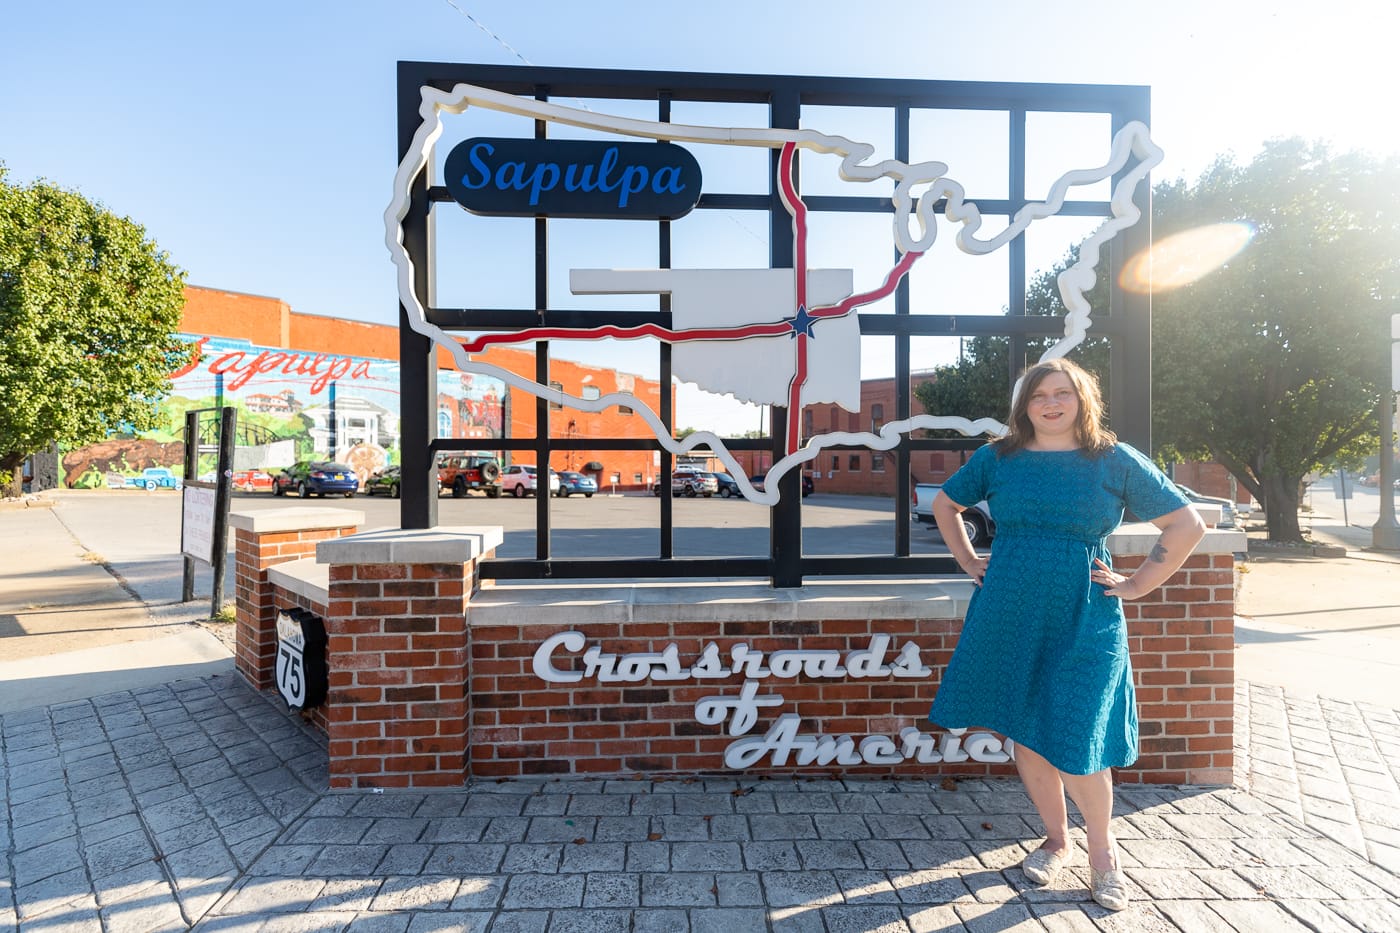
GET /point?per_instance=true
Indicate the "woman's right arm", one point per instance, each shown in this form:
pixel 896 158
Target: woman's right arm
pixel 946 513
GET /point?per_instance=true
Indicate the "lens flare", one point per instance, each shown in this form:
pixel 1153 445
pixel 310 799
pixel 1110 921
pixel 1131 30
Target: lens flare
pixel 1182 258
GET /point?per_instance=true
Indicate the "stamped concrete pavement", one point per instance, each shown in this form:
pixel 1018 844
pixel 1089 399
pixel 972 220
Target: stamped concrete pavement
pixel 200 803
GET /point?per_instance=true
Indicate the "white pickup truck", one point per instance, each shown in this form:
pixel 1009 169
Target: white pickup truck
pixel 977 520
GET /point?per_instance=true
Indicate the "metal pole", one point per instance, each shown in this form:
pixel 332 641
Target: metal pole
pixel 191 471
pixel 1385 533
pixel 228 425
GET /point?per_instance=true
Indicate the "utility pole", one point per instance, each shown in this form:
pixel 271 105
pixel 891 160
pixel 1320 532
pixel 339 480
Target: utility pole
pixel 1385 533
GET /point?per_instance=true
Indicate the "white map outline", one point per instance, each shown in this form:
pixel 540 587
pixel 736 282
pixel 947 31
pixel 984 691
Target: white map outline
pixel 1130 141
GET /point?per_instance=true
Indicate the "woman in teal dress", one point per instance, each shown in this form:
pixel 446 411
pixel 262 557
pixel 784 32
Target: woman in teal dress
pixel 1043 655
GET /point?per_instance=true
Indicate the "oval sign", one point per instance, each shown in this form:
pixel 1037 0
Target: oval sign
pixel 572 178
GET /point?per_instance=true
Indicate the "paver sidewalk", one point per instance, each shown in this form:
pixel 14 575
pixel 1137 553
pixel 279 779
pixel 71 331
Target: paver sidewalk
pixel 198 804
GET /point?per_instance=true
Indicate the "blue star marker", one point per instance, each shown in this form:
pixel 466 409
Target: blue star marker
pixel 802 323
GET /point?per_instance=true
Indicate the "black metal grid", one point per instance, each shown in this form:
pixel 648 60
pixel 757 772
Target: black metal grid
pixel 1128 322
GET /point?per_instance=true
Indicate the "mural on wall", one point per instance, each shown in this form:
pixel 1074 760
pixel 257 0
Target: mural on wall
pixel 292 405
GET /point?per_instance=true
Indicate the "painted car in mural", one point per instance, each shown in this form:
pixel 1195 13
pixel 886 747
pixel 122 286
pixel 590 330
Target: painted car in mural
pixel 154 478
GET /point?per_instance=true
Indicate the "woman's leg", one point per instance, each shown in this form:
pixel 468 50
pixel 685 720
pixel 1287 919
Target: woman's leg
pixel 1047 792
pixel 1093 795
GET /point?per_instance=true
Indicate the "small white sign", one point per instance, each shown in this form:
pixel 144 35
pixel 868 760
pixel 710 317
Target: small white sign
pixel 291 667
pixel 197 528
pixel 1395 353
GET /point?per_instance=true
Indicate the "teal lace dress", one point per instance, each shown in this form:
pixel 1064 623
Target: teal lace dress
pixel 1043 655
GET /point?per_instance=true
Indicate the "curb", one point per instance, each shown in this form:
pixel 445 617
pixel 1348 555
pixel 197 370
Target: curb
pixel 29 502
pixel 1266 548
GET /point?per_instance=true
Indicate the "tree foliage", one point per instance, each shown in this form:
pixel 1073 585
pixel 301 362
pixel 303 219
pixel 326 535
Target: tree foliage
pixel 88 310
pixel 1273 364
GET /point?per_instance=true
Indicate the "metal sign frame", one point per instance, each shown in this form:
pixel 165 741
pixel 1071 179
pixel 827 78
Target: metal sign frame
pixel 1127 323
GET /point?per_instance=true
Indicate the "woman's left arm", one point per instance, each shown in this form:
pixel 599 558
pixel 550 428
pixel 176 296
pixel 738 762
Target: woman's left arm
pixel 1182 530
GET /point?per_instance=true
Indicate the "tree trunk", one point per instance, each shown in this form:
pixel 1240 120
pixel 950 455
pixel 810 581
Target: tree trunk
pixel 12 465
pixel 1281 507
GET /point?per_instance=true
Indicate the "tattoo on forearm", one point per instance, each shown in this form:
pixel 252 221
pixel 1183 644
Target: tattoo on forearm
pixel 1159 554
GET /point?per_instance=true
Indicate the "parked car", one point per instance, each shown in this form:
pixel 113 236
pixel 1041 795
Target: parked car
pixel 462 473
pixel 154 478
pixel 809 486
pixel 518 479
pixel 322 477
pixel 386 481
pixel 690 483
pixel 1227 508
pixel 977 520
pixel 252 480
pixel 571 482
pixel 728 485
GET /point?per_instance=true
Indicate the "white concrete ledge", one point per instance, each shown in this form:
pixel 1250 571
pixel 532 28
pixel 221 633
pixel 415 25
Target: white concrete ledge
pixel 303 577
pixel 720 601
pixel 295 518
pixel 1136 540
pixel 444 545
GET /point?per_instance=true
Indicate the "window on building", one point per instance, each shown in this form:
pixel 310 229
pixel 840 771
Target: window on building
pixel 835 462
pixel 877 418
pixel 560 386
pixel 877 461
pixel 623 410
pixel 636 477
pixel 591 392
pixel 444 423
pixel 807 427
pixel 854 462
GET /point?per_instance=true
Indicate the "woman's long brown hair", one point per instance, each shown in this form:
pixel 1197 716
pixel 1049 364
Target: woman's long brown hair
pixel 1093 437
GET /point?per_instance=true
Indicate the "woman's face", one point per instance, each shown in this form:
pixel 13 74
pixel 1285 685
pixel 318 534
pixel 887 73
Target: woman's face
pixel 1053 408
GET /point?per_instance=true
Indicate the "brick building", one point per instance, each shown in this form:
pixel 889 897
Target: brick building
pixel 270 322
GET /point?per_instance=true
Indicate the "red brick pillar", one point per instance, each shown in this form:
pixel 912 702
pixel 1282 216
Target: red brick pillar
pixel 1182 641
pixel 262 539
pixel 397 626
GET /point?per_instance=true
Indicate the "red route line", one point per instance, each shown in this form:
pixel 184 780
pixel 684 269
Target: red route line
pixel 798 208
pixel 774 329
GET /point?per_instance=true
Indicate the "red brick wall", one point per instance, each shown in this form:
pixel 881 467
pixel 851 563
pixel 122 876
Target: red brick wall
pixel 255 603
pixel 419 698
pixel 397 707
pixel 1182 639
pixel 522 725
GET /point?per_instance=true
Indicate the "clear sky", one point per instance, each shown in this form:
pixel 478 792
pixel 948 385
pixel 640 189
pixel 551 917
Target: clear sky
pixel 256 140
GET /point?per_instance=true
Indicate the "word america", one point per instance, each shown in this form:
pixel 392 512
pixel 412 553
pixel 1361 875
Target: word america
pixel 665 665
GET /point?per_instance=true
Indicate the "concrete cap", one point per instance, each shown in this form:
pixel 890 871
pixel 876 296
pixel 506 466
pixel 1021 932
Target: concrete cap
pixel 303 577
pixel 720 601
pixel 443 545
pixel 1136 539
pixel 295 518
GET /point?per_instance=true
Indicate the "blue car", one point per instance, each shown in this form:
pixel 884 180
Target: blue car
pixel 571 483
pixel 322 477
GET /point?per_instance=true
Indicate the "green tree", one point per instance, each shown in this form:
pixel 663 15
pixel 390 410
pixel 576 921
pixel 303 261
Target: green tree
pixel 88 307
pixel 978 385
pixel 1273 363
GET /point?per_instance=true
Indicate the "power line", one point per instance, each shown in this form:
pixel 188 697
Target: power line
pixel 480 25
